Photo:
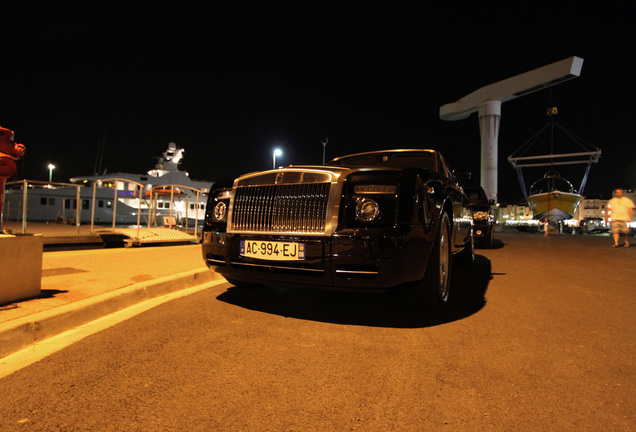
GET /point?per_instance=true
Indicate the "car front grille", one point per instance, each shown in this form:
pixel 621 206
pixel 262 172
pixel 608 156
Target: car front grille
pixel 281 208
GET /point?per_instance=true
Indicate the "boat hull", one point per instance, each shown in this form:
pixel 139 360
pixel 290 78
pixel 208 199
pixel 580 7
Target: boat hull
pixel 554 206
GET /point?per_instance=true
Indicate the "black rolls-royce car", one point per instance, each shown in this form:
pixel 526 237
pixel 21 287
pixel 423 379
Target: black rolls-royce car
pixel 364 222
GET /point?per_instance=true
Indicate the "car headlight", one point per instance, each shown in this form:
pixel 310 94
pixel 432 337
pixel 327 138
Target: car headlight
pixel 481 215
pixel 220 211
pixel 370 199
pixel 367 210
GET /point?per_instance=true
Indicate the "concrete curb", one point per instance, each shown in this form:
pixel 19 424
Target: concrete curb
pixel 22 332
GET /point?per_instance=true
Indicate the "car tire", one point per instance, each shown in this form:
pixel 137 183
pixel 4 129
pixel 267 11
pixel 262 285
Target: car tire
pixel 432 292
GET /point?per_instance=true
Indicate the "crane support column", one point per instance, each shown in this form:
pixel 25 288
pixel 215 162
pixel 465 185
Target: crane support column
pixel 489 119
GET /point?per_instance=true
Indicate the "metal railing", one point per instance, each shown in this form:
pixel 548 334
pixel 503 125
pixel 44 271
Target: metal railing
pixel 172 188
pixel 25 187
pixel 116 189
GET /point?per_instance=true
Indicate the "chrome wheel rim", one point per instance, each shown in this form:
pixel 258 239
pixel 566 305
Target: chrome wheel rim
pixel 444 262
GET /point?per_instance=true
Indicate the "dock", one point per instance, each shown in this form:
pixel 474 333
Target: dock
pixel 58 236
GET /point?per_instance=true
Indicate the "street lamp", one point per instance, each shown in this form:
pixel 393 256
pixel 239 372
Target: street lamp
pixel 51 168
pixel 277 152
pixel 324 148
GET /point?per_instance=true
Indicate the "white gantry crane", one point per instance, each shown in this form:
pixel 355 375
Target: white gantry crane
pixel 487 102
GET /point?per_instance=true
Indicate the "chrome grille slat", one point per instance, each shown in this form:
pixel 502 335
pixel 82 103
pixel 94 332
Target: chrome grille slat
pixel 284 208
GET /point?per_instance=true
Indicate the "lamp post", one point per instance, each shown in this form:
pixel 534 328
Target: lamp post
pixel 277 152
pixel 324 148
pixel 51 168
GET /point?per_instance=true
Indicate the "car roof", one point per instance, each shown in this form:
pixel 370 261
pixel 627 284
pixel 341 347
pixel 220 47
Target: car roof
pixel 386 151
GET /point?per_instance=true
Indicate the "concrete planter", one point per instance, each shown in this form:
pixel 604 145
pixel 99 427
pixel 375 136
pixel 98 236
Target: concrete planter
pixel 20 267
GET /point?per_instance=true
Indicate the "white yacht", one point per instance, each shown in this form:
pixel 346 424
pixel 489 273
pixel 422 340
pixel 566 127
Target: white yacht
pixel 116 198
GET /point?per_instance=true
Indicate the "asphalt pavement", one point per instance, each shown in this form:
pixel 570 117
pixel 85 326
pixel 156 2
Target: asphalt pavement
pixel 539 334
pixel 80 286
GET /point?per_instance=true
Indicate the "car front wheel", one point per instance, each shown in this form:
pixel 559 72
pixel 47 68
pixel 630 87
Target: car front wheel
pixel 433 291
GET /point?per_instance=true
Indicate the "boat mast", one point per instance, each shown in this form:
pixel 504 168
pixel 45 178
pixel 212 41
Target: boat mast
pixel 99 156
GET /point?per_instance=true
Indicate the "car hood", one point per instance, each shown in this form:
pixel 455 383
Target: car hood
pixel 295 174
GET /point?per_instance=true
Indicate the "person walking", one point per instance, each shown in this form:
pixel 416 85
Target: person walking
pixel 621 212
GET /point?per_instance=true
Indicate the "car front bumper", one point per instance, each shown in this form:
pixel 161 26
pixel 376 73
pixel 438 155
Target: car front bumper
pixel 348 260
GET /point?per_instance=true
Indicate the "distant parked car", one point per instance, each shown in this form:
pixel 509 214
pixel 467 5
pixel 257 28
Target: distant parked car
pixel 483 216
pixel 366 222
pixel 592 226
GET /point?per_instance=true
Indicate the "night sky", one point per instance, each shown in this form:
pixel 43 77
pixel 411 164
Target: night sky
pixel 231 81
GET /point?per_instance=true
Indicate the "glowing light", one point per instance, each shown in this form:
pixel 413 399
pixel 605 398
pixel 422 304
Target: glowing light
pixel 51 168
pixel 277 152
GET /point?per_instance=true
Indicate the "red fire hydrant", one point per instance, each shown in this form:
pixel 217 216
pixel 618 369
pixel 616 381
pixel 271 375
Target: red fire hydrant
pixel 9 152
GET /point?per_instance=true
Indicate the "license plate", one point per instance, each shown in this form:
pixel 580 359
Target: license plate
pixel 274 251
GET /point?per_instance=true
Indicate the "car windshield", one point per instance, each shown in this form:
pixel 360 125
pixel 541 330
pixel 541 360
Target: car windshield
pixel 476 195
pixel 423 159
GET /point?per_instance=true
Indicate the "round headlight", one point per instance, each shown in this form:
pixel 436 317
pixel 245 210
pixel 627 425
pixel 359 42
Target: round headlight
pixel 367 210
pixel 481 215
pixel 220 211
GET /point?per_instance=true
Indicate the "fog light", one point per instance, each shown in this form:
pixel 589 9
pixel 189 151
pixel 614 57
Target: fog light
pixel 220 210
pixel 367 210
